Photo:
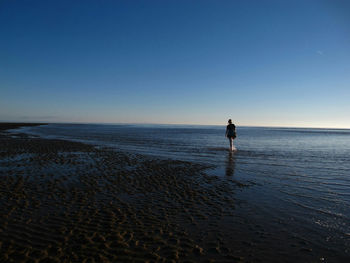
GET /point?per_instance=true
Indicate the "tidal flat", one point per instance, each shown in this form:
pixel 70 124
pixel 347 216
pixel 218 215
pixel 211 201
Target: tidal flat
pixel 64 201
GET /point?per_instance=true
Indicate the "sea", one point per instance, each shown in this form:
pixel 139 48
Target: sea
pixel 299 176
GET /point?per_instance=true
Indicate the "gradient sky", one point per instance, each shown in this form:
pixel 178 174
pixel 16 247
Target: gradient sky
pixel 265 63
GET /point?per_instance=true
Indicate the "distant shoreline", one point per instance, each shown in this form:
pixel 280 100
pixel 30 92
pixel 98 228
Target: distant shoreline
pixel 14 125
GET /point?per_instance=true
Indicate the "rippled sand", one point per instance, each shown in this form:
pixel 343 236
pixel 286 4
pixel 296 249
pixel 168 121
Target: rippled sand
pixel 65 201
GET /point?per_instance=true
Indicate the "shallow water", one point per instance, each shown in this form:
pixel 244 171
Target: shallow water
pixel 299 179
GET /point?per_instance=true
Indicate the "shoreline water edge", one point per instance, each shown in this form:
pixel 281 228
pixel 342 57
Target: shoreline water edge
pixel 65 201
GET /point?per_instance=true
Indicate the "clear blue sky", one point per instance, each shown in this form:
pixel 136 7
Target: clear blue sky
pixel 269 63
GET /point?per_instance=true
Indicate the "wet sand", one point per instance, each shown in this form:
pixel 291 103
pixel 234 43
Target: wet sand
pixel 63 201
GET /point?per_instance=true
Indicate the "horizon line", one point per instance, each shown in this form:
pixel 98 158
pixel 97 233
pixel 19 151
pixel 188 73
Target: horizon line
pixel 176 124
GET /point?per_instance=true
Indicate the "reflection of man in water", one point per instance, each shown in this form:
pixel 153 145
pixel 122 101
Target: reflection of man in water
pixel 230 164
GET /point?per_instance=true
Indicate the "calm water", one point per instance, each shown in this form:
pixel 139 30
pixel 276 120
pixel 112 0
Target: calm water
pixel 298 176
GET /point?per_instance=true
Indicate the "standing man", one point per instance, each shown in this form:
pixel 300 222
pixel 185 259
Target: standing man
pixel 231 134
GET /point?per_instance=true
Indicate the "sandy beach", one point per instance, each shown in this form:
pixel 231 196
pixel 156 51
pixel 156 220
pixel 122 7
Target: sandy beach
pixel 64 201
